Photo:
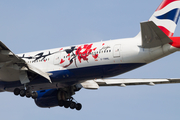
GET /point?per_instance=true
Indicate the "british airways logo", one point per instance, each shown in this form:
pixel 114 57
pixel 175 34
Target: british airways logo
pixel 171 15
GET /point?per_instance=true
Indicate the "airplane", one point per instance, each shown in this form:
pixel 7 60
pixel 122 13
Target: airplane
pixel 51 77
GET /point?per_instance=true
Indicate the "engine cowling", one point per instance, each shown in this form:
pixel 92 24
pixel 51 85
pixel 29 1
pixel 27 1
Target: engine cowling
pixel 47 98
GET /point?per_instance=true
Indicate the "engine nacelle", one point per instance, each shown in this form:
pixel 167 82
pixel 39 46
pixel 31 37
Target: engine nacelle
pixel 47 98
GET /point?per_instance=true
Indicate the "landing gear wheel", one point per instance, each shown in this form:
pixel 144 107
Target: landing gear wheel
pixel 34 95
pixel 72 105
pixel 28 94
pixel 67 104
pixel 61 103
pixel 16 91
pixel 22 92
pixel 78 106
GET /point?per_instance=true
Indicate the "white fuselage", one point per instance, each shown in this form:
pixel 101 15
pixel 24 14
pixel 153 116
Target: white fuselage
pixel 119 51
pixel 71 65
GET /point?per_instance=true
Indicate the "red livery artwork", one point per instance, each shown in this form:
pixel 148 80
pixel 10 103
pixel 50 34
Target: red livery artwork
pixel 81 52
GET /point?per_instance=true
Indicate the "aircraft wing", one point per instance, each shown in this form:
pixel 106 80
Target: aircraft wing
pixel 95 84
pixel 14 68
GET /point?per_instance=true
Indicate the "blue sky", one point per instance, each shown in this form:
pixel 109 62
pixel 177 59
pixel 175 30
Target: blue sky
pixel 37 25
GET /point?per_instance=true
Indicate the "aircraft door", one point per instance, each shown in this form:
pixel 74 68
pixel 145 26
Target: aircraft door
pixel 116 51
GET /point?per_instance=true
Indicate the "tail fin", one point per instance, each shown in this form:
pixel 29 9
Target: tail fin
pixel 166 16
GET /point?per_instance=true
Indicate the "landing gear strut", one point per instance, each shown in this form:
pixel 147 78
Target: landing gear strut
pixel 66 100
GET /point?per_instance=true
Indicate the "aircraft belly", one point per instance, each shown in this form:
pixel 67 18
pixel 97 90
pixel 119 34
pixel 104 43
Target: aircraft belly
pixel 93 72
